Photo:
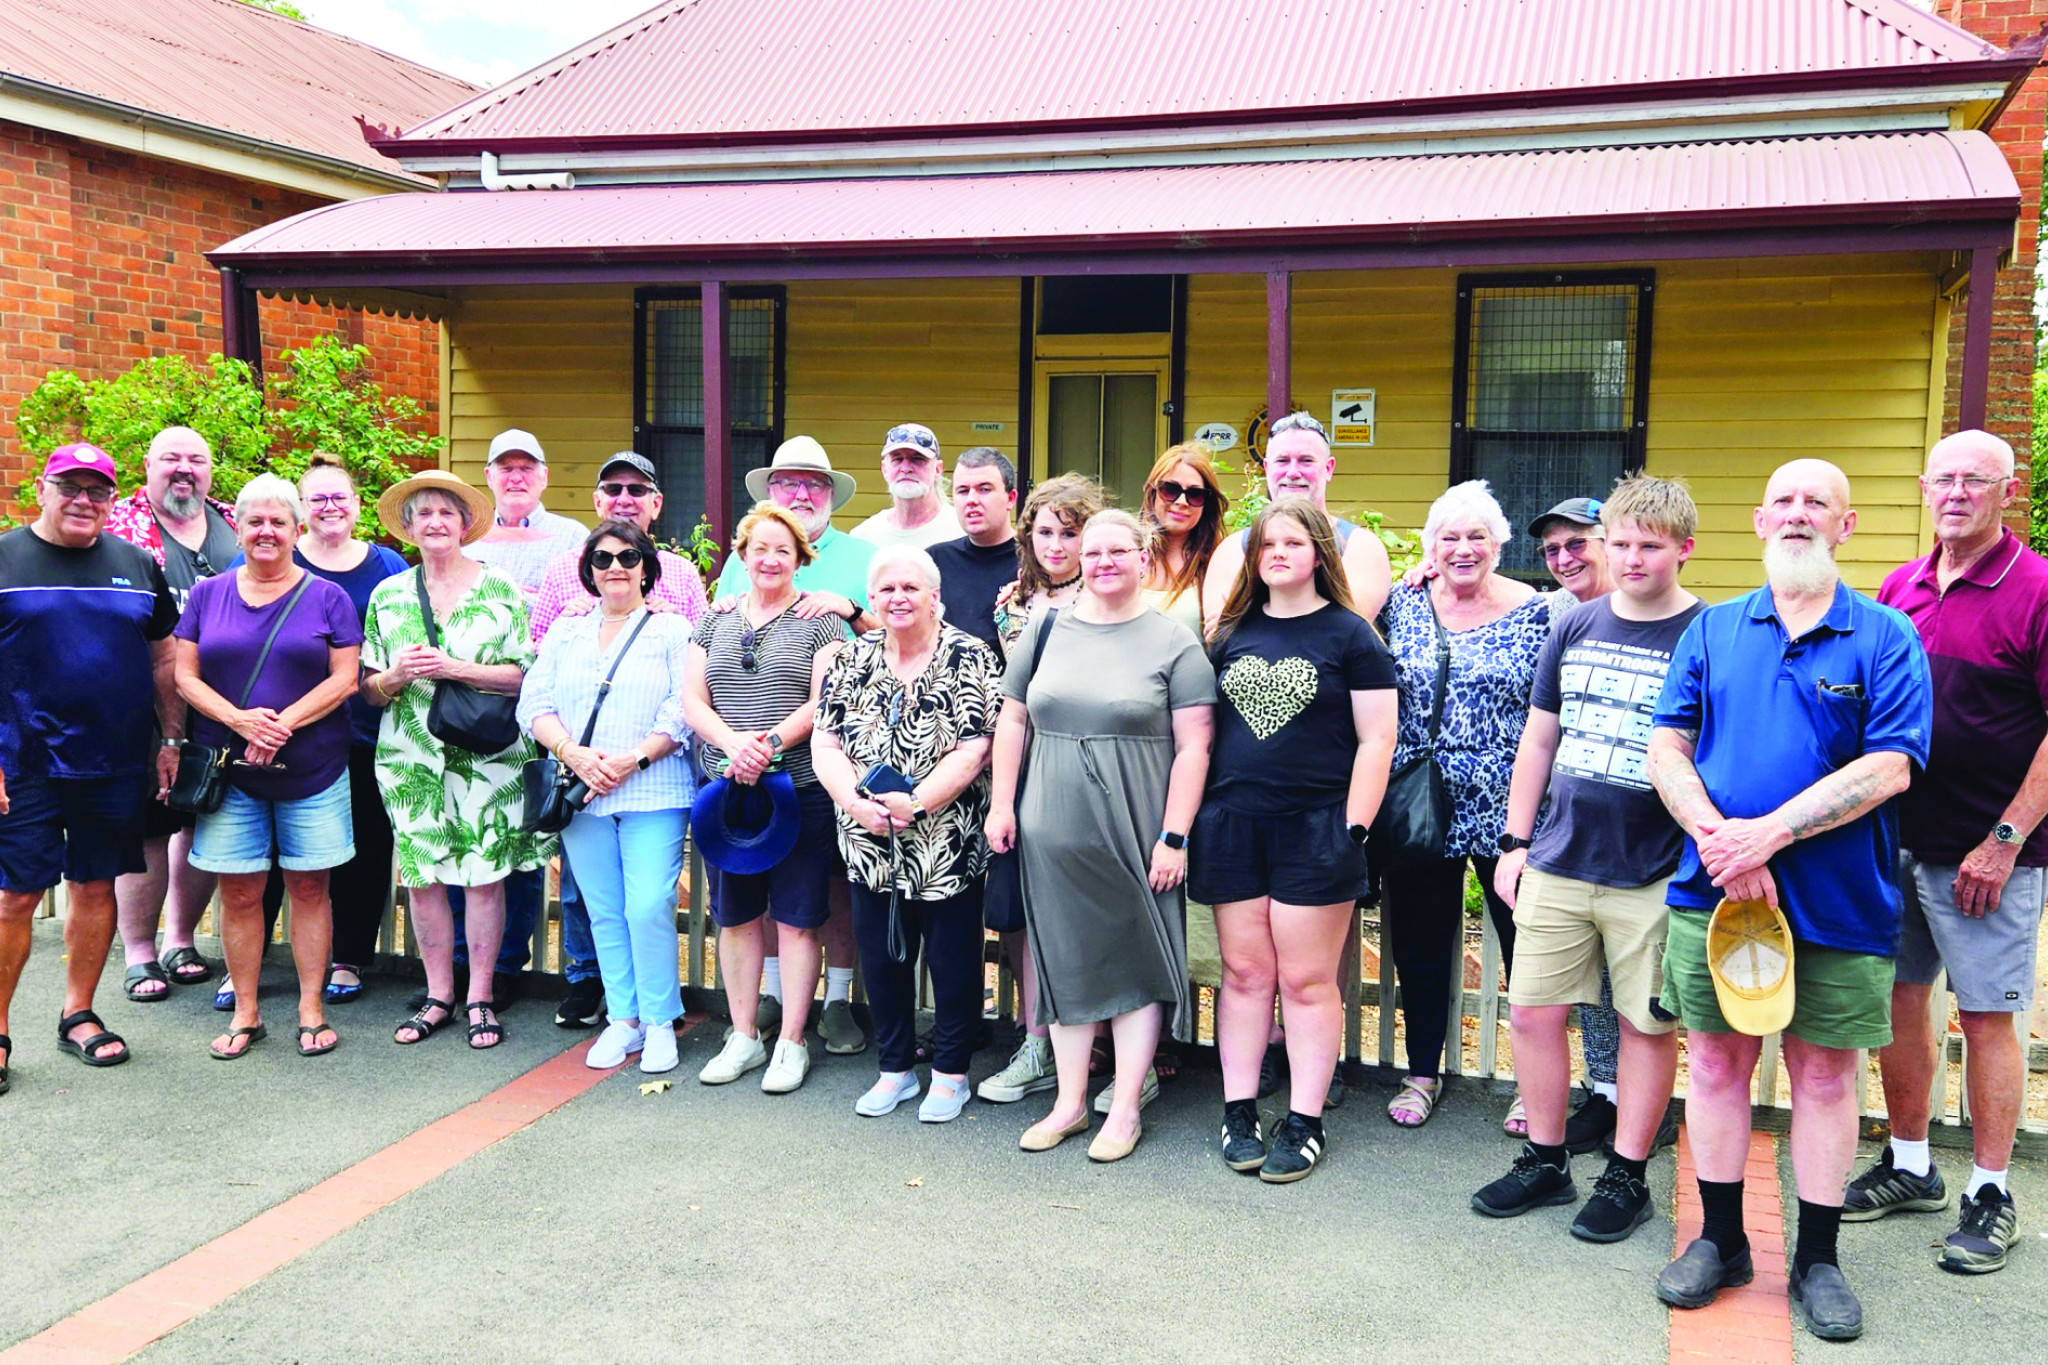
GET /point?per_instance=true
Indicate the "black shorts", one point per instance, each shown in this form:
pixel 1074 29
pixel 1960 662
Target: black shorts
pixel 1306 859
pixel 74 829
pixel 796 890
pixel 159 821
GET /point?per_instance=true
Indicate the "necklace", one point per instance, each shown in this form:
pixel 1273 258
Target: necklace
pixel 608 617
pixel 1062 587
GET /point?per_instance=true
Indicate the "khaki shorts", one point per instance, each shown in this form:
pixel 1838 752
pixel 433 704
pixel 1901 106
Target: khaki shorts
pixel 1563 928
pixel 1841 999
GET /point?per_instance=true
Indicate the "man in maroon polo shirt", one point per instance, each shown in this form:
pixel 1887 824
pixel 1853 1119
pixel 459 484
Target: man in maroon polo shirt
pixel 1973 871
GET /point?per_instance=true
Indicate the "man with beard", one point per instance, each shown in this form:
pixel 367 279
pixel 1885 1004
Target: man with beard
pixel 914 471
pixel 1789 720
pixel 974 569
pixel 190 536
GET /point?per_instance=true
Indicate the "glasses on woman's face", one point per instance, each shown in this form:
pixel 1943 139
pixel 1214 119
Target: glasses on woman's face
pixel 1118 554
pixel 322 500
pixel 1575 547
pixel 625 559
pixel 1194 495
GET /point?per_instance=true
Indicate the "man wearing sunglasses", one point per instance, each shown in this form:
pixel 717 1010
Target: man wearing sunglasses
pixel 914 471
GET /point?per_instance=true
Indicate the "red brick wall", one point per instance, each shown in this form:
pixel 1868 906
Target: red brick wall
pixel 102 264
pixel 2009 409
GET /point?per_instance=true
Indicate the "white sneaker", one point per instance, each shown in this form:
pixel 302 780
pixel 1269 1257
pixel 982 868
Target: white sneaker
pixel 617 1042
pixel 1029 1072
pixel 792 1063
pixel 660 1054
pixel 943 1103
pixel 890 1089
pixel 740 1055
pixel 1148 1093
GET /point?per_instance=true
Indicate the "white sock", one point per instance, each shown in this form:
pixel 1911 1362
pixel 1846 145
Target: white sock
pixel 1911 1157
pixel 838 984
pixel 1979 1178
pixel 771 976
pixel 1607 1089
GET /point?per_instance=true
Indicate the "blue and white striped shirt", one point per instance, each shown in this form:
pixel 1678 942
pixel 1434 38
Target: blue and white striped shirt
pixel 647 695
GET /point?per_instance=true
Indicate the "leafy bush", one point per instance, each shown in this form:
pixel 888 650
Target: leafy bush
pixel 2037 494
pixel 1405 551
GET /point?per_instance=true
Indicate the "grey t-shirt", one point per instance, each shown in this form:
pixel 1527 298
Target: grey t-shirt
pixel 1601 676
pixel 184 567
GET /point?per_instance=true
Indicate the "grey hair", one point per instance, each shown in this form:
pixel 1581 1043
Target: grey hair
pixel 269 488
pixel 405 513
pixel 1300 421
pixel 1472 500
pixel 927 567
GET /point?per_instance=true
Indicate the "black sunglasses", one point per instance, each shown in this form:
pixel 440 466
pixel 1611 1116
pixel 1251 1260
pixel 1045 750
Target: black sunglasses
pixel 747 642
pixel 620 490
pixel 1194 495
pixel 626 559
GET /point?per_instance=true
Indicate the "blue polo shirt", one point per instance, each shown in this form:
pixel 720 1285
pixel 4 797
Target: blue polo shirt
pixel 1768 730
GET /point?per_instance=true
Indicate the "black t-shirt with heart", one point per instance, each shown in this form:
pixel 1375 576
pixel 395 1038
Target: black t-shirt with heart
pixel 1285 736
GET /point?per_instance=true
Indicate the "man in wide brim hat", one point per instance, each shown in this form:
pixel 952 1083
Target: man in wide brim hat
pixel 473 500
pixel 805 454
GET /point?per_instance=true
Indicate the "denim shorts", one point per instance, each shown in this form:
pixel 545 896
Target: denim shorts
pixel 309 835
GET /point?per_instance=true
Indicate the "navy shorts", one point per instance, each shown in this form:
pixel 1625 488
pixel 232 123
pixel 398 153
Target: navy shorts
pixel 74 829
pixel 795 891
pixel 160 821
pixel 1304 859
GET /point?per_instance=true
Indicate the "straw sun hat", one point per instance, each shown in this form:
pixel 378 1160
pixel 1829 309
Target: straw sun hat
pixel 482 510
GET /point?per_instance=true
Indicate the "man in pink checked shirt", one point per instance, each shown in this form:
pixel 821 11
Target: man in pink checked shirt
pixel 626 491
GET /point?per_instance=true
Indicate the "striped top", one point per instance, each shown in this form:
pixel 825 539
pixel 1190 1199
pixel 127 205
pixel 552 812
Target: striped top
pixel 784 651
pixel 647 695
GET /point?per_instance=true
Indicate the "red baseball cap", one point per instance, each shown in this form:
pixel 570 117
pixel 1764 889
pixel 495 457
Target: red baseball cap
pixel 80 457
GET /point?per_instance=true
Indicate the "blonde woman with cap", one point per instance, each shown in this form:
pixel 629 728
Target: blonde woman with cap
pixel 455 813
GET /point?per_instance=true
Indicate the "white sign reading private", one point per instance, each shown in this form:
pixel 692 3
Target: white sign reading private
pixel 1351 417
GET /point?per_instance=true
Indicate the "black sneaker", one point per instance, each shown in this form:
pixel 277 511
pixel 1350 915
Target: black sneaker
pixel 1981 1239
pixel 1620 1204
pixel 1297 1147
pixel 1244 1139
pixel 1272 1070
pixel 1532 1183
pixel 582 1005
pixel 1667 1136
pixel 1884 1188
pixel 1590 1125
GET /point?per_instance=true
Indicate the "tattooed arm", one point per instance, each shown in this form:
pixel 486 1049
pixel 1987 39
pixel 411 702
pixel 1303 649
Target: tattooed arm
pixel 1676 779
pixel 1740 846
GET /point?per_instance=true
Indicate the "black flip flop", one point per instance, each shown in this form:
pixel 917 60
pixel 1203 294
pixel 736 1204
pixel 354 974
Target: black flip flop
pixel 87 1051
pixel 146 971
pixel 7 1043
pixel 180 960
pixel 314 1031
pixel 255 1034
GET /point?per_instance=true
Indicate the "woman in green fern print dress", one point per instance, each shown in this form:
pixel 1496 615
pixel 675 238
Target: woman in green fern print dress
pixel 455 814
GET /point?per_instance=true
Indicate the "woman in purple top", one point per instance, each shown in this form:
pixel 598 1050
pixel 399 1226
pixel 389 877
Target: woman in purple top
pixel 288 785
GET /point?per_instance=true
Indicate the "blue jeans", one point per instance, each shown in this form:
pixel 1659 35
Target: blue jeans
pixel 579 949
pixel 524 894
pixel 629 865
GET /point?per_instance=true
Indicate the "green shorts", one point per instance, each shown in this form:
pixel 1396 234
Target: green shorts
pixel 1841 999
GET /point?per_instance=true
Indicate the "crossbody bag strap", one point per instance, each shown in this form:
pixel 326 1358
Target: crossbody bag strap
pixel 262 658
pixel 1443 671
pixel 1038 646
pixel 427 607
pixel 604 688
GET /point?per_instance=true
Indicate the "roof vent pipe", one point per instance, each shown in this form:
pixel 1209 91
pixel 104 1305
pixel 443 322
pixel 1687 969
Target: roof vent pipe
pixel 557 180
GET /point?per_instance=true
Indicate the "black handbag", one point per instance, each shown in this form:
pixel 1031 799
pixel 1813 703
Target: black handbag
pixel 550 793
pixel 1003 897
pixel 202 780
pixel 467 717
pixel 1414 821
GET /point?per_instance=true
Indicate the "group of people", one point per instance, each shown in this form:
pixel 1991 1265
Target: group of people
pixel 1080 727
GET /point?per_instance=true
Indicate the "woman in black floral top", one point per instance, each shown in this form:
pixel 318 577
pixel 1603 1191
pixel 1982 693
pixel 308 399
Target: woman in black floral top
pixel 921 697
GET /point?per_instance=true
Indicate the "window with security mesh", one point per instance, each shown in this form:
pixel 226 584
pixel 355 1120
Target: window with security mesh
pixel 1549 391
pixel 669 383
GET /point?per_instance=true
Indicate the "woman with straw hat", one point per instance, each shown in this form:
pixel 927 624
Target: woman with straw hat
pixel 455 813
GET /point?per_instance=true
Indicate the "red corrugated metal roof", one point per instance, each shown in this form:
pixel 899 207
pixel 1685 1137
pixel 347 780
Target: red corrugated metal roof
pixel 225 65
pixel 1877 178
pixel 759 69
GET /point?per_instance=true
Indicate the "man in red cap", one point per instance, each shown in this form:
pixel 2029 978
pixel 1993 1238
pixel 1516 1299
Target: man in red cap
pixel 85 670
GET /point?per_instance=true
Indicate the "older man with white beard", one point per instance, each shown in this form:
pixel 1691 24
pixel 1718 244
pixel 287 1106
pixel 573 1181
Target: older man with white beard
pixel 1789 720
pixel 914 471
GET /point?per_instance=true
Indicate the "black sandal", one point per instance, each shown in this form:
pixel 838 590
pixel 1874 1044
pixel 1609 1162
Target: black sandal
pixel 255 1033
pixel 424 1027
pixel 487 1024
pixel 314 1031
pixel 187 967
pixel 7 1043
pixel 88 1051
pixel 146 971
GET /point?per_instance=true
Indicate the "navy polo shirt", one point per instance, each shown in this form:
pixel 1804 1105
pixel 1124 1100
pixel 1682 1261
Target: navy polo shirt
pixel 1768 730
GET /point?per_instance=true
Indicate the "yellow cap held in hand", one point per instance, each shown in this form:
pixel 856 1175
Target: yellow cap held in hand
pixel 1749 952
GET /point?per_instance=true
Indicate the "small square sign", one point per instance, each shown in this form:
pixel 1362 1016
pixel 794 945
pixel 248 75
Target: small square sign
pixel 1351 417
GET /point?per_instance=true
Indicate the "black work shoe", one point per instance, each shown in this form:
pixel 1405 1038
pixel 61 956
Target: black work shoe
pixel 1590 1125
pixel 1884 1188
pixel 1981 1239
pixel 582 1005
pixel 1297 1147
pixel 1695 1277
pixel 1531 1183
pixel 1272 1070
pixel 1826 1304
pixel 1244 1140
pixel 1620 1204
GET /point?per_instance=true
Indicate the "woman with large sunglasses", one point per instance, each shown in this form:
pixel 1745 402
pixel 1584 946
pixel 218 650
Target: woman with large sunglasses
pixel 750 688
pixel 1185 501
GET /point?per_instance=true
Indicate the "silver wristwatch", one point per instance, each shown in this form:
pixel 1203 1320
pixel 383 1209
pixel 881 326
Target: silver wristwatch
pixel 2006 832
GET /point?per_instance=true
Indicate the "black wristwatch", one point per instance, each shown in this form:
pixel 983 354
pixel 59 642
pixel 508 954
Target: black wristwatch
pixel 1357 833
pixel 642 761
pixel 1508 843
pixel 1172 840
pixel 775 741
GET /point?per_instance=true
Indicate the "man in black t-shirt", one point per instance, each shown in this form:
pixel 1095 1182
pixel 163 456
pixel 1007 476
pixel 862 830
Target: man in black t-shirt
pixel 85 662
pixel 1597 863
pixel 974 568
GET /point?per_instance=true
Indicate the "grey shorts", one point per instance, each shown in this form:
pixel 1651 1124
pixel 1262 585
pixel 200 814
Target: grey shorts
pixel 1990 961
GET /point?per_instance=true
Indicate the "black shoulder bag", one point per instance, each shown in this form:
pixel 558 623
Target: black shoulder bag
pixel 202 780
pixel 1415 818
pixel 552 794
pixel 467 717
pixel 1004 894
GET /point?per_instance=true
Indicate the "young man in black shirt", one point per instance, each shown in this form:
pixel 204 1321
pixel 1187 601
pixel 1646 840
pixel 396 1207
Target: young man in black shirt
pixel 977 566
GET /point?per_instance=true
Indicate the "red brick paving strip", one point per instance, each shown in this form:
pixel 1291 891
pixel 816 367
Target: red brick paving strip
pixel 1747 1326
pixel 161 1302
